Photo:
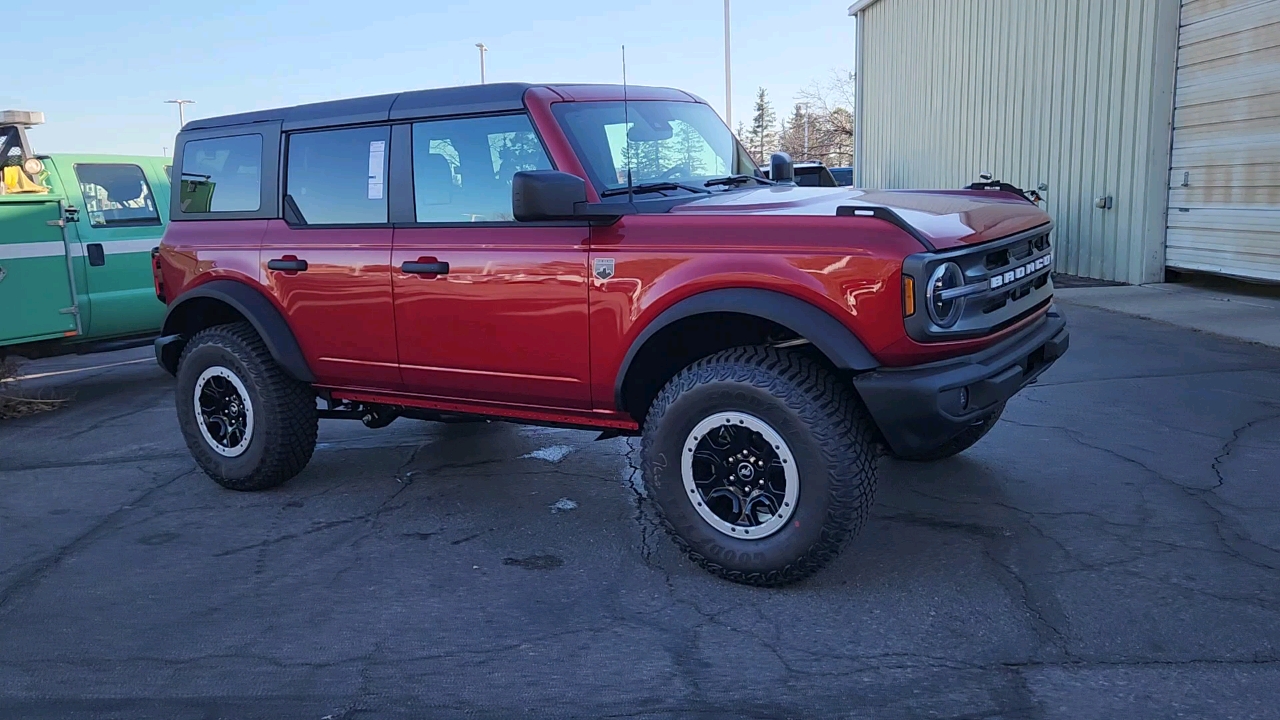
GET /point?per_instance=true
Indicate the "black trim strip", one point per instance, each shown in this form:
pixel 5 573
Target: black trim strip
pixel 883 213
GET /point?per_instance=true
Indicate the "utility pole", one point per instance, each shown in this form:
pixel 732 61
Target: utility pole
pixel 182 118
pixel 728 79
pixel 483 50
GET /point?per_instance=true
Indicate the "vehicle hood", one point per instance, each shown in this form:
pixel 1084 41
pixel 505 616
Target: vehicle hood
pixel 946 218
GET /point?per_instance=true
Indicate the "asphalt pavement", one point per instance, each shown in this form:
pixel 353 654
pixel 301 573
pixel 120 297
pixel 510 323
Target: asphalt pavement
pixel 1110 550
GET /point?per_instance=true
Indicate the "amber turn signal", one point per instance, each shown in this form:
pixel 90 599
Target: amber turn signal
pixel 908 296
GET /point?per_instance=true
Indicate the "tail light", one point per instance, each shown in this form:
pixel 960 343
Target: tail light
pixel 157 279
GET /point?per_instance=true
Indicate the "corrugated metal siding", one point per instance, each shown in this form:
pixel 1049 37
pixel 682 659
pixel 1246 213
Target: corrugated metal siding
pixel 1224 186
pixel 1076 94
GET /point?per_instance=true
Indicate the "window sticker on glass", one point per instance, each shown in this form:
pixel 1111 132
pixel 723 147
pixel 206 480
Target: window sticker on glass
pixel 377 152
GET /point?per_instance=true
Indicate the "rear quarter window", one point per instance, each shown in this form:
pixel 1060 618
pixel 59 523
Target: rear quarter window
pixel 221 175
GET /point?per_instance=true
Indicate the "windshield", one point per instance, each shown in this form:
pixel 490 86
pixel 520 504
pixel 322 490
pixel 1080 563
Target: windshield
pixel 681 142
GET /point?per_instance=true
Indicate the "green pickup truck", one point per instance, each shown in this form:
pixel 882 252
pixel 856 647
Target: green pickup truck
pixel 76 234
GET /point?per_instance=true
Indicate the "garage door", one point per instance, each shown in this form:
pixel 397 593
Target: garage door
pixel 1224 186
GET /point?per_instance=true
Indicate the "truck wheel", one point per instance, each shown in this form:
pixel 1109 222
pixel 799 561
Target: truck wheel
pixel 957 444
pixel 762 464
pixel 248 425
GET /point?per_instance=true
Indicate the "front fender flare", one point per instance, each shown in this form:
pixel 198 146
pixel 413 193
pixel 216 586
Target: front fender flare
pixel 257 309
pixel 810 322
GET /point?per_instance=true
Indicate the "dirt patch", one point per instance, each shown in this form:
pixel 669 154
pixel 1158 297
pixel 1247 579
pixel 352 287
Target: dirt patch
pixel 14 402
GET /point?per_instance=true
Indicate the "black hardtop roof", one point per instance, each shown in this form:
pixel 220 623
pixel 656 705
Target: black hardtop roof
pixel 413 104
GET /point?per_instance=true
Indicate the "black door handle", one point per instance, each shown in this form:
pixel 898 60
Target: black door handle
pixel 289 265
pixel 426 268
pixel 97 257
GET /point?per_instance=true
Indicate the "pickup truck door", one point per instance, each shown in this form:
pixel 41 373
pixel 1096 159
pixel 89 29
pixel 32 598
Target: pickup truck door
pixel 35 287
pixel 486 309
pixel 120 222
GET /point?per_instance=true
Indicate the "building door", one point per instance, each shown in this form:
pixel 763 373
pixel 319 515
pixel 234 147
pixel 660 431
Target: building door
pixel 1224 185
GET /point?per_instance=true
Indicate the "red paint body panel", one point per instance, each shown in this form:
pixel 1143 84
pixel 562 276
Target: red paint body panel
pixel 340 308
pixel 196 253
pixel 508 323
pixel 663 259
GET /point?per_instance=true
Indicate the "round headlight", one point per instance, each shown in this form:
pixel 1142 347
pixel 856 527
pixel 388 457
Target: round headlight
pixel 944 313
pixel 33 166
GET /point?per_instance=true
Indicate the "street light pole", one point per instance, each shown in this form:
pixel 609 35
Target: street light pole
pixel 728 79
pixel 806 131
pixel 483 50
pixel 182 118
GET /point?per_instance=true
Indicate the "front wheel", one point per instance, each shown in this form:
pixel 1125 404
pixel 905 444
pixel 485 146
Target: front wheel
pixel 248 425
pixel 761 463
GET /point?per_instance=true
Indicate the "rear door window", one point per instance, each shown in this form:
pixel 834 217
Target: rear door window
pixel 338 177
pixel 462 169
pixel 222 175
pixel 116 195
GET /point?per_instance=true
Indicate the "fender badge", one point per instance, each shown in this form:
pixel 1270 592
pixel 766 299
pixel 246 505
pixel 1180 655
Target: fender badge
pixel 604 268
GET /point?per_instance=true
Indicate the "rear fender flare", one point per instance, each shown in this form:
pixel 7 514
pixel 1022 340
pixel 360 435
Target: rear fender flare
pixel 257 309
pixel 828 335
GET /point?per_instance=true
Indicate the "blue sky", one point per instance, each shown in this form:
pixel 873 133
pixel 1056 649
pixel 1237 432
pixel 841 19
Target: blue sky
pixel 101 71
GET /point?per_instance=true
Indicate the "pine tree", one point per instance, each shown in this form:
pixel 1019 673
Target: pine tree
pixel 762 136
pixel 690 147
pixel 792 139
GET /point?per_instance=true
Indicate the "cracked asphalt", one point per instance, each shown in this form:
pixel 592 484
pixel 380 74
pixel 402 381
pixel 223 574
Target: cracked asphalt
pixel 1110 550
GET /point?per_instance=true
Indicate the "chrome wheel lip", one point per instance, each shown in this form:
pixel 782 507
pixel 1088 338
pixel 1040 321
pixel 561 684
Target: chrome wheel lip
pixel 239 448
pixel 780 447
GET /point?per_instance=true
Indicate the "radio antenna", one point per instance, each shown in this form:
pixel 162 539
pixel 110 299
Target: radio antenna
pixel 626 126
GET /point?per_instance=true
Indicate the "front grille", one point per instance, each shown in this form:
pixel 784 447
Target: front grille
pixel 1004 281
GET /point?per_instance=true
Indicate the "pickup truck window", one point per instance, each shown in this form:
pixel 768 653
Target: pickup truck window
pixel 222 174
pixel 339 176
pixel 462 169
pixel 658 140
pixel 116 195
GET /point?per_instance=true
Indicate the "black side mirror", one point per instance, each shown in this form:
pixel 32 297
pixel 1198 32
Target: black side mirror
pixel 781 170
pixel 541 195
pixel 546 195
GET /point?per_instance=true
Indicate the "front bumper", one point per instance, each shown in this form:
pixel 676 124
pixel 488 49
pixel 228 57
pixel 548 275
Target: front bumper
pixel 168 349
pixel 921 407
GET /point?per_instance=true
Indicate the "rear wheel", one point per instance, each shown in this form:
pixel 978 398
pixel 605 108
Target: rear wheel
pixel 959 443
pixel 248 425
pixel 761 462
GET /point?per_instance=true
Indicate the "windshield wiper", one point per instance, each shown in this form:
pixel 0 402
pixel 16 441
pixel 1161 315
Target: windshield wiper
pixel 653 187
pixel 737 180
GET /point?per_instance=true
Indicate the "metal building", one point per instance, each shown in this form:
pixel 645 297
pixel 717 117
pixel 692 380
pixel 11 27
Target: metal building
pixel 1154 124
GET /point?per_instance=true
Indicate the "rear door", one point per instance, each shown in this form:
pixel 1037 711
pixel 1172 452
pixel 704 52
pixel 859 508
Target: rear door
pixel 119 225
pixel 328 261
pixel 35 287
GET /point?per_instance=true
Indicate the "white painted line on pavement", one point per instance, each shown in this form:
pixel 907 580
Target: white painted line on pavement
pixel 76 370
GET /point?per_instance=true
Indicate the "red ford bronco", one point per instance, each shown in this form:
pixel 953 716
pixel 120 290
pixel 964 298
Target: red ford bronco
pixel 557 255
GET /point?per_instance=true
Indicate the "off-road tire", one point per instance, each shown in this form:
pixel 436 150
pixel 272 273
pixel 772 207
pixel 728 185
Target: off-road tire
pixel 957 444
pixel 285 417
pixel 826 429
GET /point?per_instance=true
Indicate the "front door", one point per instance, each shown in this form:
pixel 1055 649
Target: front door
pixel 35 287
pixel 488 309
pixel 119 225
pixel 327 262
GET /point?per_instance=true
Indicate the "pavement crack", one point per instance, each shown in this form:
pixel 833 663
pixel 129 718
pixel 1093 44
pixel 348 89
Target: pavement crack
pixel 1230 445
pixel 30 578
